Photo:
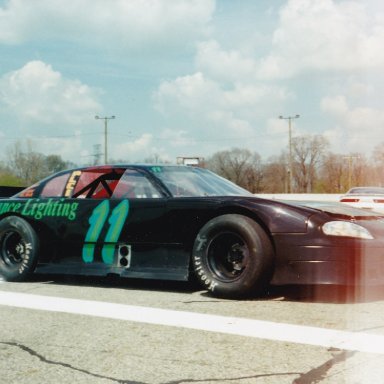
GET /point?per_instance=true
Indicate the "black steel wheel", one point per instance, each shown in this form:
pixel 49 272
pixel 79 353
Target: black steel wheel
pixel 233 256
pixel 19 247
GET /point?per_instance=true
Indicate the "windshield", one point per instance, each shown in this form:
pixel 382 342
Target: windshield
pixel 193 181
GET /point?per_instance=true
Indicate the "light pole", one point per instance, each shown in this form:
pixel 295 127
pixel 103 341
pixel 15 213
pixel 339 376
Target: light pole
pixel 105 135
pixel 290 118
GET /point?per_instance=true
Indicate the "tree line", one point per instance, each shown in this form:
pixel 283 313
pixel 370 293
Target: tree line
pixel 309 167
pixel 24 166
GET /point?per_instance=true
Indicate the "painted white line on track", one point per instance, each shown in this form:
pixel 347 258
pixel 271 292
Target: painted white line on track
pixel 355 341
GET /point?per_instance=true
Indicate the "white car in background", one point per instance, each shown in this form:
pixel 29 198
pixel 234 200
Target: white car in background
pixel 371 198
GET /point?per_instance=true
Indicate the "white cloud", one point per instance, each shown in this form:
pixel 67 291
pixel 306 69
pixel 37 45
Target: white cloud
pixel 336 106
pixel 234 87
pixel 139 147
pixel 38 93
pixel 212 105
pixel 71 148
pixel 177 138
pixel 192 93
pixel 201 99
pixel 97 21
pixel 357 129
pixel 224 65
pixel 199 93
pixel 324 35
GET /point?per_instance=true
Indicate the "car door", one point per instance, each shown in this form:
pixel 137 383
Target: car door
pixel 118 226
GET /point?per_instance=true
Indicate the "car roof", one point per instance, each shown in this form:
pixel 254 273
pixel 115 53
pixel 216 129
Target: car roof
pixel 138 165
pixel 111 167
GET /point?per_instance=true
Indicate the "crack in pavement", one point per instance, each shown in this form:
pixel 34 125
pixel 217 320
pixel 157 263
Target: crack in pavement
pixel 65 365
pixel 316 375
pixel 181 381
pixel 221 380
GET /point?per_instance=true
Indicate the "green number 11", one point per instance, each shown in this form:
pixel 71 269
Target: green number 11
pixel 96 223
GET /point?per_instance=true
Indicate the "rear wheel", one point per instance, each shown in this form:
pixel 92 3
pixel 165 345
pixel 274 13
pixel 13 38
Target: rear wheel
pixel 19 248
pixel 233 256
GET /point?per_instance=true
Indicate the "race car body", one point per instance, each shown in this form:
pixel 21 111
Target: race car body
pixel 174 222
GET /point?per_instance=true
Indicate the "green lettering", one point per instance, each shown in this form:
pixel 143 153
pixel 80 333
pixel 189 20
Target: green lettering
pixel 3 208
pixel 48 208
pixel 73 209
pixel 26 210
pixel 38 209
pixel 16 207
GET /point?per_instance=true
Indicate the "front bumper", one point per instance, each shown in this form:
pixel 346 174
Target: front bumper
pixel 330 265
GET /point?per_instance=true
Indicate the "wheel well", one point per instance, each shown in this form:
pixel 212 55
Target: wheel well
pixel 42 230
pixel 34 224
pixel 235 211
pixel 233 255
pixel 251 215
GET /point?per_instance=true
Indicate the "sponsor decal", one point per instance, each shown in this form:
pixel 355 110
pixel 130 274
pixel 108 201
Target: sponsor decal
pixel 39 209
pixel 71 183
pixel 202 241
pixel 210 284
pixel 24 249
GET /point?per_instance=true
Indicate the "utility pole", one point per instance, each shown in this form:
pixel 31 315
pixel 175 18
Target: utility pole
pixel 290 169
pixel 105 135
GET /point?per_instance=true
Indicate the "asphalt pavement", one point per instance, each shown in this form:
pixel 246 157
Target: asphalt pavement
pixel 91 330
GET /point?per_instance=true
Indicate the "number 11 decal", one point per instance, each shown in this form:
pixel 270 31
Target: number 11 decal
pixel 96 223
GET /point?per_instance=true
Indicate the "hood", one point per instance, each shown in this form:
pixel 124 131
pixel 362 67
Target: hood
pixel 338 209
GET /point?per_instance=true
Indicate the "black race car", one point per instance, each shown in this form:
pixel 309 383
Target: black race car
pixel 173 222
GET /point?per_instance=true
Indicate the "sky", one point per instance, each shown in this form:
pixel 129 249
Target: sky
pixel 189 77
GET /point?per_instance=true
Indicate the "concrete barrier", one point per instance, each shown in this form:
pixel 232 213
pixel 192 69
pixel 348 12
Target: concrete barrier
pixel 301 196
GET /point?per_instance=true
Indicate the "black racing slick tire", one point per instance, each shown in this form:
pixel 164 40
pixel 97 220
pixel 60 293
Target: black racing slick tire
pixel 233 257
pixel 19 249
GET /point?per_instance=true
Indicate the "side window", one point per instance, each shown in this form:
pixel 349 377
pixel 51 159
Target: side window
pixel 104 189
pixel 55 187
pixel 83 184
pixel 97 183
pixel 29 192
pixel 133 184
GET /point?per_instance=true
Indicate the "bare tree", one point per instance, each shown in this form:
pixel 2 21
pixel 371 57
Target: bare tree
pixel 31 166
pixel 378 158
pixel 155 159
pixel 361 171
pixel 238 165
pixel 55 163
pixel 28 165
pixel 308 152
pixel 332 173
pixel 275 178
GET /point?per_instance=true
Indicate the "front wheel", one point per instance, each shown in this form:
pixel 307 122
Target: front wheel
pixel 233 256
pixel 19 248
